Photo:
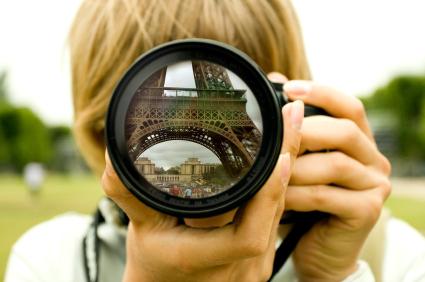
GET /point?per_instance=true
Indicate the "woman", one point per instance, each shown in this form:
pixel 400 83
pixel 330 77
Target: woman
pixel 351 182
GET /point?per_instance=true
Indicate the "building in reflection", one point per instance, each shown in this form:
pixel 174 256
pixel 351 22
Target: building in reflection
pixel 189 171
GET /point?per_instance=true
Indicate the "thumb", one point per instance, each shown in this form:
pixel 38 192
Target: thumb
pixel 293 115
pixel 134 208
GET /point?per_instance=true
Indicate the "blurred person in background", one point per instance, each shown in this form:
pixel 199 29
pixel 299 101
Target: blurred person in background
pixel 358 242
pixel 34 177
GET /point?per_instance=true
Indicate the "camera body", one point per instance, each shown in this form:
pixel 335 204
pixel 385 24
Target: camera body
pixel 194 128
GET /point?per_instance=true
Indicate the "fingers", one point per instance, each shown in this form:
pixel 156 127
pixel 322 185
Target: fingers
pixel 346 204
pixel 270 253
pixel 116 191
pixel 334 168
pixel 257 221
pixel 321 132
pixel 269 198
pixel 254 223
pixel 213 221
pixel 334 102
pixel 248 237
pixel 293 115
pixel 277 77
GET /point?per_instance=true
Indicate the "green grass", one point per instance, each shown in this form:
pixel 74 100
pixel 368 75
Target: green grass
pixel 19 210
pixel 408 209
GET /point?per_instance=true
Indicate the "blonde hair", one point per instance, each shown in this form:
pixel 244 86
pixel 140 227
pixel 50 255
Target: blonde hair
pixel 107 36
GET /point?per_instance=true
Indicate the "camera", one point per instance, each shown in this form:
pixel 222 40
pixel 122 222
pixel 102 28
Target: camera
pixel 194 128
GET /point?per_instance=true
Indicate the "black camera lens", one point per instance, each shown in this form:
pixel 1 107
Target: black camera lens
pixel 194 128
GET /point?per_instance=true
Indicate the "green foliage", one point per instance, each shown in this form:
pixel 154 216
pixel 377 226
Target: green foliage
pixel 4 150
pixel 4 106
pixel 3 96
pixel 159 170
pixel 59 132
pixel 25 138
pixel 173 170
pixel 64 151
pixel 421 126
pixel 404 98
pixel 218 176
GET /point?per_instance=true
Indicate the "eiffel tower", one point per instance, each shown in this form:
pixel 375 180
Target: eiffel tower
pixel 213 115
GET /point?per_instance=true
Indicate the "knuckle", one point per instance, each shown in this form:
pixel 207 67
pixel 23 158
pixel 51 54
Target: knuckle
pixel 293 144
pixel 107 185
pixel 350 130
pixel 317 195
pixel 275 195
pixel 372 209
pixel 385 165
pixel 340 162
pixel 358 109
pixel 386 187
pixel 112 185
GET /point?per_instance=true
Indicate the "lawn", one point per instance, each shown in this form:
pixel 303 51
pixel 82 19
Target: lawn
pixel 19 210
pixel 408 209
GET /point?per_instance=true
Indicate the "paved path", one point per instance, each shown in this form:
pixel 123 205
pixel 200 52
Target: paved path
pixel 409 187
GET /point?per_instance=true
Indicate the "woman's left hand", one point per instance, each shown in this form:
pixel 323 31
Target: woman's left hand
pixel 350 181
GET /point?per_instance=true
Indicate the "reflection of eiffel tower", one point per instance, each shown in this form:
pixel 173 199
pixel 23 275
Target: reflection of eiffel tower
pixel 213 115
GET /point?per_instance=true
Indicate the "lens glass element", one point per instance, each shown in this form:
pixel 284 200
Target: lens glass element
pixel 193 129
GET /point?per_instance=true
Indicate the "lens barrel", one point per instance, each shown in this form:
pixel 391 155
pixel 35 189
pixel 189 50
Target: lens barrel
pixel 226 105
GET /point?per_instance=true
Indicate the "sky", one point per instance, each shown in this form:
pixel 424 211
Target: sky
pixel 173 153
pixel 352 45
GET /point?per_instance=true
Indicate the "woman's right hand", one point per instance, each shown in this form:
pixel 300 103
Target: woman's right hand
pixel 160 249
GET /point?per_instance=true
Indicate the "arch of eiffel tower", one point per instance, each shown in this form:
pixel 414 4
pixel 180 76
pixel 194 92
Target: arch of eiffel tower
pixel 213 115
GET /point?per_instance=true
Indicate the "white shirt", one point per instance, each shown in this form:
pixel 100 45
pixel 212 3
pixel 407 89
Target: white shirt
pixel 52 251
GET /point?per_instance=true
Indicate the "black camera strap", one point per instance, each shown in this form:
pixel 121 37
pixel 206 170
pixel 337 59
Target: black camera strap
pixel 91 248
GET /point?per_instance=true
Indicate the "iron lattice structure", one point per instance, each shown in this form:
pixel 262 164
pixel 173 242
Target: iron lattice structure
pixel 213 115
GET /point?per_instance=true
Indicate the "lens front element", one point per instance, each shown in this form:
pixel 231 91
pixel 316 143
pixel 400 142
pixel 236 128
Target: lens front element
pixel 193 129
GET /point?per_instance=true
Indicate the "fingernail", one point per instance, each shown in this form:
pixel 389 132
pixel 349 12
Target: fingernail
pixel 297 114
pixel 277 77
pixel 297 87
pixel 286 163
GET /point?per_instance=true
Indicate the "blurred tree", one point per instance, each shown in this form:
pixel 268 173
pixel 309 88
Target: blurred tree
pixel 64 151
pixel 173 170
pixel 3 97
pixel 4 105
pixel 4 150
pixel 404 99
pixel 218 176
pixel 26 136
pixel 59 132
pixel 160 170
